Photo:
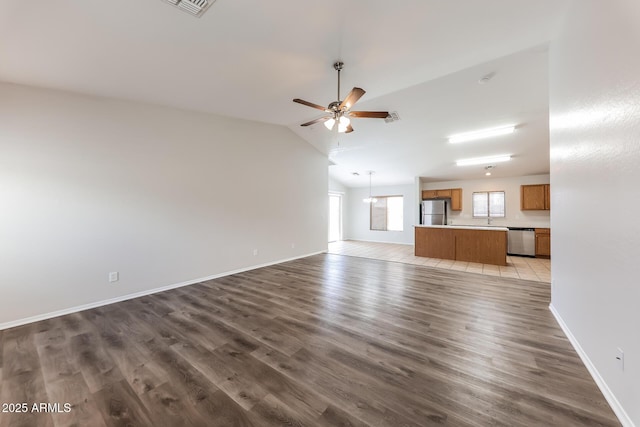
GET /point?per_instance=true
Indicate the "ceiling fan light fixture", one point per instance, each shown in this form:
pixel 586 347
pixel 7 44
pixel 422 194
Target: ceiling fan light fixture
pixel 343 123
pixel 329 123
pixel 482 134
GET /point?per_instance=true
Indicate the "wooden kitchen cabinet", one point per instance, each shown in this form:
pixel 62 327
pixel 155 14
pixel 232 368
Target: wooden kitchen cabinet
pixel 535 197
pixel 456 199
pixel 429 194
pixel 462 244
pixel 547 197
pixel 455 194
pixel 543 242
pixel 435 243
pixel 481 246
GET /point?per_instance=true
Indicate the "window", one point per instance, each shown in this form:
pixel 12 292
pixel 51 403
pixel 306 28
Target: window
pixel 488 204
pixel 387 213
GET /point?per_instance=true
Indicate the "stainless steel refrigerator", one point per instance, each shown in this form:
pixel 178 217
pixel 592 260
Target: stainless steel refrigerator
pixel 434 212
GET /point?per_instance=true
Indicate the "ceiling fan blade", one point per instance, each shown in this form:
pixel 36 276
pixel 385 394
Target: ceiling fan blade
pixel 312 122
pixel 349 129
pixel 353 96
pixel 369 114
pixel 309 104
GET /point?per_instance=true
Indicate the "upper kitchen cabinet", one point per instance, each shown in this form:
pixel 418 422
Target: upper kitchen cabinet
pixel 429 194
pixel 456 199
pixel 455 194
pixel 535 197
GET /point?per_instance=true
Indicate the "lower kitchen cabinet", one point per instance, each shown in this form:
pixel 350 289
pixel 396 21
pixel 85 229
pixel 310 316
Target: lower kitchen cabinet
pixel 435 243
pixel 543 242
pixel 462 244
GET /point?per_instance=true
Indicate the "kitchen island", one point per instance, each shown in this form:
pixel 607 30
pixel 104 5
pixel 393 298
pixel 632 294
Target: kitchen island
pixel 486 245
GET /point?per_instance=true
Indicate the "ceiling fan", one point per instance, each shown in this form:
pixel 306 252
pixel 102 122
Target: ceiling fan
pixel 340 111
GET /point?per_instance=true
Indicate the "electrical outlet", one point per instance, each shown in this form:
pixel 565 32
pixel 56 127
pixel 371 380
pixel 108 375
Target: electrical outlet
pixel 255 252
pixel 114 276
pixel 620 358
pixel 293 246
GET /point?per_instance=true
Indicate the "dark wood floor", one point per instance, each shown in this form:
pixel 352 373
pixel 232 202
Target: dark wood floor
pixel 328 340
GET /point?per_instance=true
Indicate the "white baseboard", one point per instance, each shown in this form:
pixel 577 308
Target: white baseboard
pixel 602 385
pixel 96 304
pixel 378 241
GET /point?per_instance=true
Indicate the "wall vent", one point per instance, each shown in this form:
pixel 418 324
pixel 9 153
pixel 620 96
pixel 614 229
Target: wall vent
pixel 193 7
pixel 392 117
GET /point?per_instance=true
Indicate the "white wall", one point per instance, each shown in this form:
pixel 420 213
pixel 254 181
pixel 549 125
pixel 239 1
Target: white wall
pixel 595 158
pixel 91 185
pixel 358 221
pixel 514 217
pixel 338 188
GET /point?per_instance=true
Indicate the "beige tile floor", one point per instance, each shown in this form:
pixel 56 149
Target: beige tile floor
pixel 517 267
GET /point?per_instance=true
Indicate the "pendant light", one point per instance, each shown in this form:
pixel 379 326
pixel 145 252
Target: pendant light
pixel 370 199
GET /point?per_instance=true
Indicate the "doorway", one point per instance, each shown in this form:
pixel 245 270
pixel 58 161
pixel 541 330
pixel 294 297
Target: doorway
pixel 335 217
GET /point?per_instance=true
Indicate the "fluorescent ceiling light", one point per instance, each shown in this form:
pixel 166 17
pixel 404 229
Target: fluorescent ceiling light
pixel 484 160
pixel 481 134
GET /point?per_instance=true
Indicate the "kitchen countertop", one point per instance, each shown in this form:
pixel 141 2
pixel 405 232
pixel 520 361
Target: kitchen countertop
pixel 467 227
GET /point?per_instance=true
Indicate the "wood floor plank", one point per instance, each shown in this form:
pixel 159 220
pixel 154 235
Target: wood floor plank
pixel 326 340
pixel 24 388
pixel 97 367
pixel 333 416
pixel 120 406
pixel 349 391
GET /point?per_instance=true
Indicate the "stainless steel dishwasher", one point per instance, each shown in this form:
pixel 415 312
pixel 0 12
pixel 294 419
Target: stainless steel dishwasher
pixel 521 241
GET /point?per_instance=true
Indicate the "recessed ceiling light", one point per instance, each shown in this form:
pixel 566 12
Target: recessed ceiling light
pixel 481 134
pixel 484 160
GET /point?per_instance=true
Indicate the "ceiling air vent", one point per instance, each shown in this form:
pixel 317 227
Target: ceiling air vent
pixel 392 117
pixel 193 7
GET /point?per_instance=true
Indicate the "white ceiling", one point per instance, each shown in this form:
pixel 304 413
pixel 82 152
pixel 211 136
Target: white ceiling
pixel 250 58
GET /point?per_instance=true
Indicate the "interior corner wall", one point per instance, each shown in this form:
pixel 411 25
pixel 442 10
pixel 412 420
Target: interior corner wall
pixel 595 153
pixel 358 215
pixel 163 196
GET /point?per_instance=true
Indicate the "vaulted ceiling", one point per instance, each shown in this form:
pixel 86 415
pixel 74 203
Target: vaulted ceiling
pixel 250 58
